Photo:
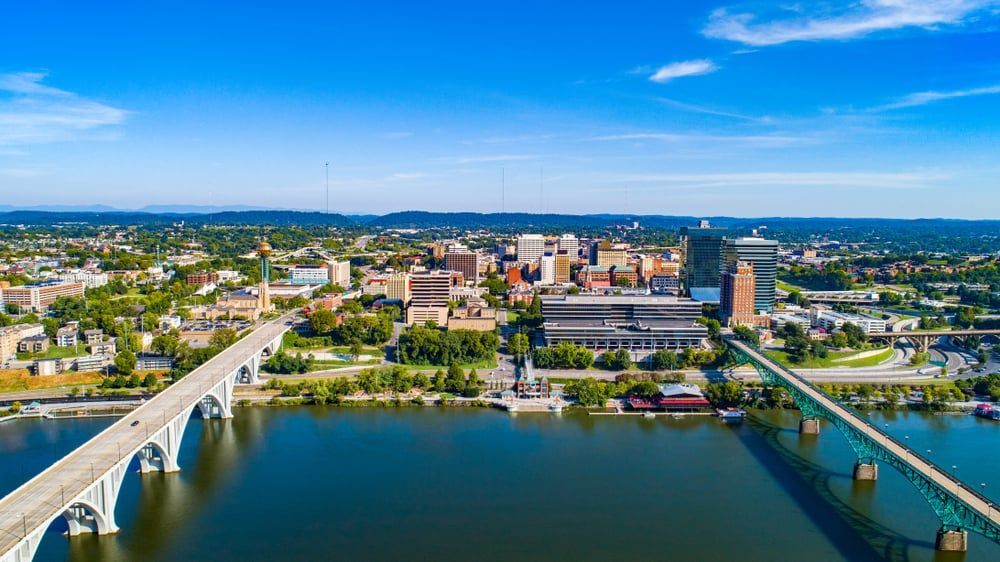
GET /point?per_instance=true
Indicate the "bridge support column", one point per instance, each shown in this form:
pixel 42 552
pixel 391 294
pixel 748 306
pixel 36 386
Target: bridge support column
pixel 949 540
pixel 809 426
pixel 865 471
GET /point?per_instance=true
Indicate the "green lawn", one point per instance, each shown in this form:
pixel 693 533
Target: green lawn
pixel 788 287
pixel 828 361
pixel 346 350
pixel 55 352
pixel 512 316
pixel 488 364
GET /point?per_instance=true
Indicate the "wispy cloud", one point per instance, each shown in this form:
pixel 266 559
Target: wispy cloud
pixel 924 98
pixel 33 112
pixel 681 69
pixel 758 141
pixel 850 21
pixel 493 158
pixel 406 176
pixel 396 135
pixel 23 172
pixel 869 180
pixel 711 110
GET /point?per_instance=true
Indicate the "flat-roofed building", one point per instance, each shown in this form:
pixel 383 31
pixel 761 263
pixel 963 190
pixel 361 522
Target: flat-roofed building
pixel 464 261
pixel 202 278
pixel 703 252
pixel 639 324
pixel 593 277
pixel 736 304
pixel 624 276
pixel 339 273
pixel 762 254
pixel 429 295
pixel 530 247
pixel 562 266
pixel 309 275
pixel 611 255
pixel 37 298
pixel 397 287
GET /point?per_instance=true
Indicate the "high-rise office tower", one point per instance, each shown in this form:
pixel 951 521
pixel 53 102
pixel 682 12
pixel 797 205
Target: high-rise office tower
pixel 562 264
pixel 702 257
pixel 530 247
pixel 547 270
pixel 763 256
pixel 570 244
pixel 464 261
pixel 736 299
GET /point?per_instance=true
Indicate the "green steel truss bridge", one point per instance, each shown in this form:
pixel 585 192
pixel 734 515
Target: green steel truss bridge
pixel 959 507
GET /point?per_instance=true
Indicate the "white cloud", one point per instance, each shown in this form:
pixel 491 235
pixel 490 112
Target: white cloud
pixel 853 20
pixel 32 112
pixel 396 135
pixel 681 69
pixel 924 98
pixel 868 180
pixel 758 141
pixel 493 158
pixel 22 172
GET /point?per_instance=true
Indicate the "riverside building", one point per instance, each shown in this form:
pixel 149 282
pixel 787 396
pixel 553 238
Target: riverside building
pixel 639 324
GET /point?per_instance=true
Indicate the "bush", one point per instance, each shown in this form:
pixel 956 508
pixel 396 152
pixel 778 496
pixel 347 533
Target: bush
pixel 617 360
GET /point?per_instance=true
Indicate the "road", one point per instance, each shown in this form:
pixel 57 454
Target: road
pixel 903 454
pixel 36 502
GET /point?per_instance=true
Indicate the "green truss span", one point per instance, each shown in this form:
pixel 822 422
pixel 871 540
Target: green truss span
pixel 955 507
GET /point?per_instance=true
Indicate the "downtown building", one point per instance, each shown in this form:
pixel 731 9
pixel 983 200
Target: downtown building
pixel 430 292
pixel 464 261
pixel 737 298
pixel 639 324
pixel 762 255
pixel 37 298
pixel 530 247
pixel 703 257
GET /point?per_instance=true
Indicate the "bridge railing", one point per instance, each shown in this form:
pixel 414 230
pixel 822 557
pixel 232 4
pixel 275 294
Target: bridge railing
pixel 872 427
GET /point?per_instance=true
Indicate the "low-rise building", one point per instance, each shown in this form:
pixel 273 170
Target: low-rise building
pixel 831 320
pixel 66 336
pixel 154 363
pixel 93 336
pixel 474 314
pixel 34 344
pixel 104 348
pixel 43 367
pixel 94 362
pixel 38 297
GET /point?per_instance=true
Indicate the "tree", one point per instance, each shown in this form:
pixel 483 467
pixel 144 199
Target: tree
pixel 666 360
pixel 724 394
pixel 149 381
pixel 356 349
pixel 421 381
pixel 747 334
pixel 588 392
pixel 517 344
pixel 646 389
pixel 617 360
pixel 713 325
pixel 856 336
pixel 125 362
pixel 455 380
pixel 322 321
pixel 223 337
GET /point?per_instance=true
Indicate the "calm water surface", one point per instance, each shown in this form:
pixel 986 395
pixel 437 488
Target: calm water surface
pixel 315 483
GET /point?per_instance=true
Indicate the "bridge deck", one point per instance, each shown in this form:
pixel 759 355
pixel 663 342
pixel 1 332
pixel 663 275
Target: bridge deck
pixel 45 496
pixel 969 496
pixel 934 333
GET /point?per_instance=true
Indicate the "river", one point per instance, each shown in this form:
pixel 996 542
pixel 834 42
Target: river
pixel 315 483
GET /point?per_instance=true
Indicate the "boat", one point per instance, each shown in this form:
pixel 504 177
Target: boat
pixel 987 411
pixel 731 415
pixel 648 415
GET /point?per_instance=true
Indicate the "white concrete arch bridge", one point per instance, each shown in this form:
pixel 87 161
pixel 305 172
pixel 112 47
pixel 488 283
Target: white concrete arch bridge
pixel 83 486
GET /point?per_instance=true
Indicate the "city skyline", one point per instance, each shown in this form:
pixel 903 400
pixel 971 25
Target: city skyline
pixel 878 108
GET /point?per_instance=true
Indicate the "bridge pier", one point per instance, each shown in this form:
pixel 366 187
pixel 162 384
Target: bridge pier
pixel 865 471
pixel 952 540
pixel 809 426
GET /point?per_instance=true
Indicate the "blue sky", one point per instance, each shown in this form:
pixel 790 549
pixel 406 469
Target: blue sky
pixel 859 108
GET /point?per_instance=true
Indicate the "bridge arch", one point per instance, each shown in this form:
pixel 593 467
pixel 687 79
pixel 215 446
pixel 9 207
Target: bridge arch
pixel 211 406
pixel 951 506
pixel 244 375
pixel 83 516
pixel 155 457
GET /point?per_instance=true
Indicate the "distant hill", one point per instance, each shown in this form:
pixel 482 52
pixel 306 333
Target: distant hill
pixel 262 217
